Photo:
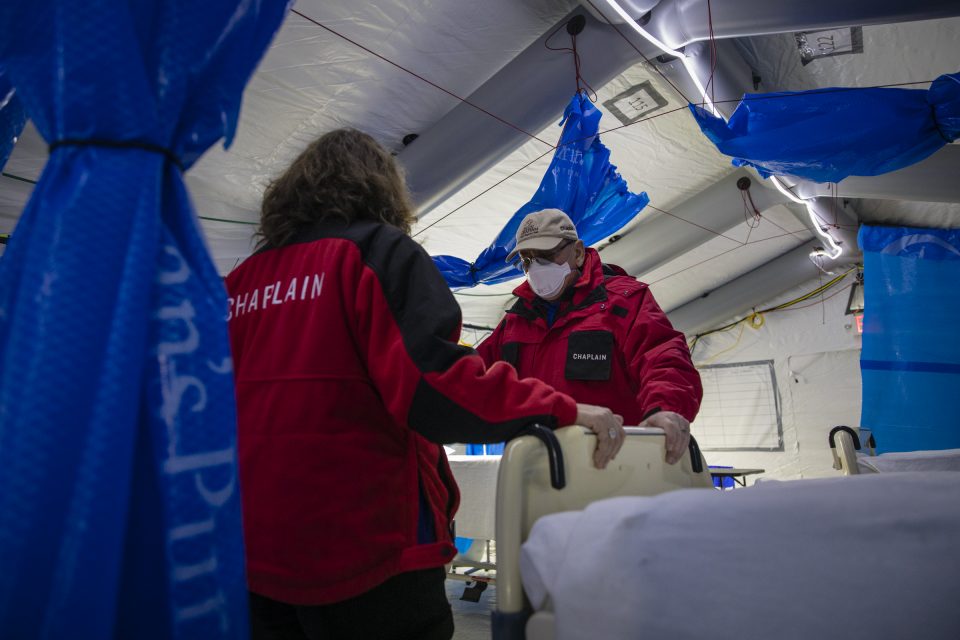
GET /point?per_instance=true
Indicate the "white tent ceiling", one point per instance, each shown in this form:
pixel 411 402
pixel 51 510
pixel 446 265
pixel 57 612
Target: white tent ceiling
pixel 433 52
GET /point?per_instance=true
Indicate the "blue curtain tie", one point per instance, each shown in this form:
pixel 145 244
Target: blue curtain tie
pixel 120 144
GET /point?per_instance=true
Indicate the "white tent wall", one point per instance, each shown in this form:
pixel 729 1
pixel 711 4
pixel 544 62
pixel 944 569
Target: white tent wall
pixel 815 349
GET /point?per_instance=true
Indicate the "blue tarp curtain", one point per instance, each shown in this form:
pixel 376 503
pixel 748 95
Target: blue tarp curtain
pixel 12 118
pixel 825 135
pixel 119 505
pixel 580 181
pixel 911 355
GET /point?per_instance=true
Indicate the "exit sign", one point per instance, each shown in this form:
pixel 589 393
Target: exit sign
pixel 859 318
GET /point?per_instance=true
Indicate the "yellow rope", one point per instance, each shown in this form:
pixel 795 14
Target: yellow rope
pixel 756 320
pixel 730 348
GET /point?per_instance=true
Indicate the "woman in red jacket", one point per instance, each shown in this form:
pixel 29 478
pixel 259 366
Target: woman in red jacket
pixel 348 380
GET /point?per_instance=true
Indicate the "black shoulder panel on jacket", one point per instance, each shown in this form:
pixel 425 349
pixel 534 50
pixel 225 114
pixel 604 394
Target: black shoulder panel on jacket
pixel 441 420
pixel 420 301
pixel 611 270
pixel 521 309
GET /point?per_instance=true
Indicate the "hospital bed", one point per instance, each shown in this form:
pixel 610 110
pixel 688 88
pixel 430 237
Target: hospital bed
pixel 667 560
pixel 849 456
pixel 550 471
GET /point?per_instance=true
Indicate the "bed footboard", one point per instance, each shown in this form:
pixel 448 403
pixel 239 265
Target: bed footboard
pixel 844 444
pixel 525 492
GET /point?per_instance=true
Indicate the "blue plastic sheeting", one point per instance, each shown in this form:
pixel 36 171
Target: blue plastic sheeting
pixel 911 353
pixel 462 544
pixel 826 135
pixel 580 181
pixel 485 449
pixel 723 482
pixel 119 505
pixel 12 118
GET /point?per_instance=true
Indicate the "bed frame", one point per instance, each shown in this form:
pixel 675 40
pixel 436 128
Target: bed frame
pixel 844 444
pixel 551 471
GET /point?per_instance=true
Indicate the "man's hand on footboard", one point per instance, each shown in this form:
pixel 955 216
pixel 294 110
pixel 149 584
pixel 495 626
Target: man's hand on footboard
pixel 677 431
pixel 609 429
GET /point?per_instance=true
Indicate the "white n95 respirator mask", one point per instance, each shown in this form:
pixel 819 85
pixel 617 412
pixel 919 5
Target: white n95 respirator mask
pixel 547 278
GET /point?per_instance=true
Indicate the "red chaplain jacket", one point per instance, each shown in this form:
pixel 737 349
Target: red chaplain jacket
pixel 348 373
pixel 610 345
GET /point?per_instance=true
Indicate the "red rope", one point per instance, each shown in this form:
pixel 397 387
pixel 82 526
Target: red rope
pixel 716 233
pixel 714 56
pixel 488 189
pixel 751 215
pixel 722 253
pixel 579 75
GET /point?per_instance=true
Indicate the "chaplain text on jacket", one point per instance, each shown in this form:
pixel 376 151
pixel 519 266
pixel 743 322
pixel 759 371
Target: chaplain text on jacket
pixel 307 287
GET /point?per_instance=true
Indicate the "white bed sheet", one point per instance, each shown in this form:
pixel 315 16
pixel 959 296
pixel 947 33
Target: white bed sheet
pixel 945 460
pixel 783 560
pixel 477 478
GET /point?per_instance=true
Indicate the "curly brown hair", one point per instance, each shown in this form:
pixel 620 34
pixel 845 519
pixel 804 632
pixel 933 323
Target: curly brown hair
pixel 343 174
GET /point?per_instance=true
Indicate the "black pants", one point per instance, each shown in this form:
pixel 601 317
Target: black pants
pixel 409 606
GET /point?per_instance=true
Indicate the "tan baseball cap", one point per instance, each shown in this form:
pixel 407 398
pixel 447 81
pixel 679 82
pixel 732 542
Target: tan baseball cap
pixel 543 230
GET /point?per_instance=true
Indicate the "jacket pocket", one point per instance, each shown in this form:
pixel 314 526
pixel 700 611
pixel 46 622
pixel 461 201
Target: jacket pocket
pixel 589 355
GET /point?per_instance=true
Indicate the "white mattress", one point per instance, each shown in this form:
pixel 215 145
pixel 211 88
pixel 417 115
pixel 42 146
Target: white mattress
pixel 946 460
pixel 477 478
pixel 782 560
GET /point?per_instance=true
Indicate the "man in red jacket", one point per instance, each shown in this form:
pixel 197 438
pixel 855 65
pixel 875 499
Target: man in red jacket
pixel 348 379
pixel 592 331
